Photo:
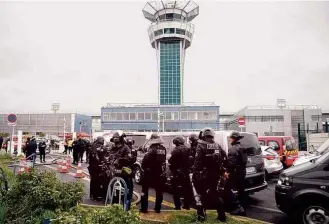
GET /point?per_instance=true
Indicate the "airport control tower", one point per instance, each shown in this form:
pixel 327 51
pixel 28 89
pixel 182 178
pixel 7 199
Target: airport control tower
pixel 170 34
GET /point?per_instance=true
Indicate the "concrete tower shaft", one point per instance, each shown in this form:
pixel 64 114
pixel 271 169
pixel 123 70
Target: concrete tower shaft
pixel 170 33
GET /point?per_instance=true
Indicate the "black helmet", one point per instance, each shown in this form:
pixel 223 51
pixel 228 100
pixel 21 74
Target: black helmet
pixel 208 132
pixel 154 136
pixel 130 141
pixel 236 135
pixel 118 135
pixel 100 140
pixel 193 138
pixel 178 140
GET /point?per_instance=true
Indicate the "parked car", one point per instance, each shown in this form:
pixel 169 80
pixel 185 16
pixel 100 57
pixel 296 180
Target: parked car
pixel 302 191
pixel 272 161
pixel 313 155
pixel 285 146
pixel 255 178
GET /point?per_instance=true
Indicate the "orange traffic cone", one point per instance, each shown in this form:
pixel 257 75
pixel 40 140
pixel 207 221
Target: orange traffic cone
pixel 79 173
pixel 59 162
pixel 22 166
pixel 64 167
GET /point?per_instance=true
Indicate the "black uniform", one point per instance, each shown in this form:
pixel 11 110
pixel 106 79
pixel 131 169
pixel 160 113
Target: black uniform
pixel 192 149
pixel 95 169
pixel 208 171
pixel 42 150
pixel 87 148
pixel 78 147
pixel 179 164
pixel 154 166
pixel 31 148
pixel 1 141
pixel 236 167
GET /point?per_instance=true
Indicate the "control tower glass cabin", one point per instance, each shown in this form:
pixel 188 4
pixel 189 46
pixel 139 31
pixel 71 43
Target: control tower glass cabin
pixel 170 34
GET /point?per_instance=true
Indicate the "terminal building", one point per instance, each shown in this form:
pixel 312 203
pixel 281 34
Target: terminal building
pixel 144 118
pixel 47 123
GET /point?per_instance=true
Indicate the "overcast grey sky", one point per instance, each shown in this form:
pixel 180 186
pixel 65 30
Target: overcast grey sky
pixel 84 55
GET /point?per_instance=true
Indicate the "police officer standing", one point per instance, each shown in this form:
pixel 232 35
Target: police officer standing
pixel 78 147
pixel 154 166
pixel 42 151
pixel 208 170
pixel 94 168
pixel 193 139
pixel 120 156
pixel 179 165
pixel 236 169
pixel 31 148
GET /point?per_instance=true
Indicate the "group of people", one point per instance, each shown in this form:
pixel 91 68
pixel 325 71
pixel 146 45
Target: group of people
pixel 79 147
pixel 202 171
pixel 106 159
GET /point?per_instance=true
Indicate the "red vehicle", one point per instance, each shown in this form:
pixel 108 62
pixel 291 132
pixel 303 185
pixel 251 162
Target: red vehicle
pixel 285 146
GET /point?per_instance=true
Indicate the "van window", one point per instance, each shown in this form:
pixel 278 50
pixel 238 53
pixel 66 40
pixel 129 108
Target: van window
pixel 261 142
pixel 274 145
pixel 290 144
pixel 251 144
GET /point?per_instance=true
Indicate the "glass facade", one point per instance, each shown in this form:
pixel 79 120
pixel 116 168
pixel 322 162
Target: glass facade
pixel 170 77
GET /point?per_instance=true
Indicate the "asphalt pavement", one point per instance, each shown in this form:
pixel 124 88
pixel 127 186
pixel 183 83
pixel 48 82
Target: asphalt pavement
pixel 262 205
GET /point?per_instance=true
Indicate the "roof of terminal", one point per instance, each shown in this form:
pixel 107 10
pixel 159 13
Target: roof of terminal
pixel 116 105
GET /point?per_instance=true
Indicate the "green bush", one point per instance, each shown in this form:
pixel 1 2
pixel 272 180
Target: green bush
pixel 37 194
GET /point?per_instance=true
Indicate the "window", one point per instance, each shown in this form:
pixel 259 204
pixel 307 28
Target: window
pixel 290 145
pixel 261 142
pixel 180 31
pixel 155 116
pixel 119 116
pixel 251 119
pixel 174 116
pixel 169 30
pixel 316 118
pixel 141 116
pixel 132 116
pixel 158 32
pixel 167 115
pixel 106 116
pixel 266 119
pixel 125 116
pixel 183 115
pixel 273 144
pixel 148 116
pixel 192 115
pixel 113 116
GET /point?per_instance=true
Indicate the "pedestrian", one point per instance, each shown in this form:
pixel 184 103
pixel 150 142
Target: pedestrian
pixel 42 151
pixel 236 172
pixel 77 150
pixel 208 170
pixel 179 165
pixel 65 147
pixel 69 145
pixel 154 166
pixel 31 148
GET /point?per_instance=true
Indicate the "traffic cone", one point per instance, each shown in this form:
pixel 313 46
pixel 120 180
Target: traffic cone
pixel 79 173
pixel 64 167
pixel 21 166
pixel 59 168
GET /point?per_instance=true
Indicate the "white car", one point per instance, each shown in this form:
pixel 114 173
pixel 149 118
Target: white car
pixel 314 155
pixel 272 161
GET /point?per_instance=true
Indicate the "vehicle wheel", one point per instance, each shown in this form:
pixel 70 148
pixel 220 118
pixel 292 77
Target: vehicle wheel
pixel 138 175
pixel 313 213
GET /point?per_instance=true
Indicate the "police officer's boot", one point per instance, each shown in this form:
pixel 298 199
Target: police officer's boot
pixel 238 211
pixel 144 204
pixel 201 214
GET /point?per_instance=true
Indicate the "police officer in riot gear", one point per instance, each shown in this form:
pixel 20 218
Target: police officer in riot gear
pixel 154 166
pixel 42 150
pixel 236 169
pixel 120 157
pixel 94 168
pixel 179 165
pixel 130 143
pixel 193 140
pixel 208 170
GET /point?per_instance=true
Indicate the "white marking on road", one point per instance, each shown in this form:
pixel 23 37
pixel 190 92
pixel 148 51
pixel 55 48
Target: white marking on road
pixel 267 209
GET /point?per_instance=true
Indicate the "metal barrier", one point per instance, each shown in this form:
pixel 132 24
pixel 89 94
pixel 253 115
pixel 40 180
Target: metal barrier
pixel 117 188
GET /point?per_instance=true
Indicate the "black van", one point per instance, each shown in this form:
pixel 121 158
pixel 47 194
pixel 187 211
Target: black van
pixel 302 191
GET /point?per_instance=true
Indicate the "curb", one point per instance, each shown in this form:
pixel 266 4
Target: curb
pixel 237 218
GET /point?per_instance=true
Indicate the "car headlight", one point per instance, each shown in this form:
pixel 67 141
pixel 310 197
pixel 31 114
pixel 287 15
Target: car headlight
pixel 285 180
